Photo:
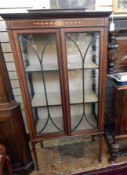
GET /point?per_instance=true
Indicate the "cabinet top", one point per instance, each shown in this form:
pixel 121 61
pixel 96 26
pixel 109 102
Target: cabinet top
pixel 55 13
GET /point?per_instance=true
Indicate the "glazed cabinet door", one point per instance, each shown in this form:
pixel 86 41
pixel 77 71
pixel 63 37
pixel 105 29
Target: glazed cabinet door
pixel 82 64
pixel 40 53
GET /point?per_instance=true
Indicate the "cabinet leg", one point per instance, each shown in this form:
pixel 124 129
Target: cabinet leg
pixel 35 155
pixel 100 148
pixel 112 159
pixel 93 138
pixel 41 144
pixel 114 152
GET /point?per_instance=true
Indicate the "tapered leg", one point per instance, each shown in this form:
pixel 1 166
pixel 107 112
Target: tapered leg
pixel 93 138
pixel 100 147
pixel 33 144
pixel 114 151
pixel 41 144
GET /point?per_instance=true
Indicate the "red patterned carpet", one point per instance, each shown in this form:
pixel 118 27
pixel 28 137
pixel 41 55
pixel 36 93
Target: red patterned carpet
pixel 114 170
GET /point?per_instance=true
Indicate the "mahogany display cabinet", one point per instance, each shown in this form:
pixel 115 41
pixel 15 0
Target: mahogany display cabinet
pixel 60 57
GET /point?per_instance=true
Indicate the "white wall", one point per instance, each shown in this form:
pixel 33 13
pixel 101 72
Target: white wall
pixel 13 4
pixel 104 5
pixel 23 3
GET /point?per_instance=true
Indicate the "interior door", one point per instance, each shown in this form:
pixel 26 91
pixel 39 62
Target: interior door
pixel 81 48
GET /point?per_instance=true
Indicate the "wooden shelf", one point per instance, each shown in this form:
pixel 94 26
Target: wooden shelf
pixel 50 128
pixel 118 87
pixel 54 67
pixel 122 87
pixel 77 97
pixel 84 125
pixel 90 65
pixel 37 68
pixel 54 98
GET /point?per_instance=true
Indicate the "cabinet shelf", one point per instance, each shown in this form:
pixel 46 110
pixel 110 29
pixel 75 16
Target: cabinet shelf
pixel 50 127
pixel 77 97
pixel 84 125
pixel 54 99
pixel 90 65
pixel 37 68
pixel 54 67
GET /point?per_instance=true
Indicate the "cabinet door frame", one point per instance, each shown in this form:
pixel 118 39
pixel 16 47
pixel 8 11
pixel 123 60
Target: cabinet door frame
pixel 23 82
pixel 102 75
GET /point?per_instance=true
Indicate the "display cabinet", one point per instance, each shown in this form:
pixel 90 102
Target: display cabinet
pixel 60 57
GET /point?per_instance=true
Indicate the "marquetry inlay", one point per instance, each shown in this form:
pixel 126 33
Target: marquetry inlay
pixel 57 23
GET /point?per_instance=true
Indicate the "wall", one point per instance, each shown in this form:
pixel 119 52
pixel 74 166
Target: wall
pixel 100 4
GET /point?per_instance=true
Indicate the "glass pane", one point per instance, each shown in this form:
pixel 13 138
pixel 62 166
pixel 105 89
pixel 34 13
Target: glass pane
pixel 41 66
pixel 83 74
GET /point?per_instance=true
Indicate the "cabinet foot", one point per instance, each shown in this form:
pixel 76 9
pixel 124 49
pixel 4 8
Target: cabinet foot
pixel 100 158
pixel 114 152
pixel 100 148
pixel 93 138
pixel 35 155
pixel 41 144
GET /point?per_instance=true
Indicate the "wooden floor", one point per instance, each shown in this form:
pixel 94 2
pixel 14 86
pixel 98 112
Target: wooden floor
pixel 66 157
